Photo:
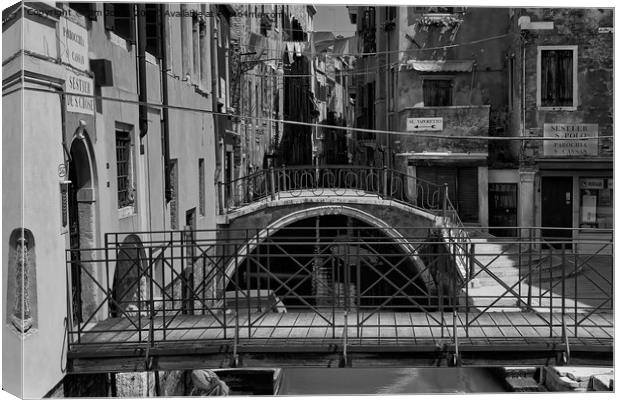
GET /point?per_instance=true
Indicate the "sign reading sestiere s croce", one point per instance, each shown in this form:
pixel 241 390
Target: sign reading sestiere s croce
pixel 79 84
pixel 571 147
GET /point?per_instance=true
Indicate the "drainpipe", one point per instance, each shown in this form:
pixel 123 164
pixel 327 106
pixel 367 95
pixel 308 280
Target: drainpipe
pixel 164 94
pixel 142 89
pixel 215 76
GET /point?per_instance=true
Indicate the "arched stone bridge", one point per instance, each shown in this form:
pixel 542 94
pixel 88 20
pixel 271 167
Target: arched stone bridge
pixel 401 206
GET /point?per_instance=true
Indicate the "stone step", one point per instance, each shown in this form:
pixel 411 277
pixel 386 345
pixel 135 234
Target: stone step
pixel 522 384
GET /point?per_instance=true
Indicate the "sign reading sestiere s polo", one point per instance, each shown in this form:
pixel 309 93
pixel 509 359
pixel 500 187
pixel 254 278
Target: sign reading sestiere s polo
pixel 581 140
pixel 73 41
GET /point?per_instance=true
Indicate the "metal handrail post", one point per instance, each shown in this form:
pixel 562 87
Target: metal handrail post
pixel 384 182
pixel 445 200
pixel 220 193
pixel 345 336
pixel 529 271
pixel 550 292
pixel 152 298
pixel 272 177
pixel 455 338
pixel 236 341
pixel 564 289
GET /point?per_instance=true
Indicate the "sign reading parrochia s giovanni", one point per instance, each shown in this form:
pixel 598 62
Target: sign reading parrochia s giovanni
pixel 80 85
pixel 579 140
pixel 73 44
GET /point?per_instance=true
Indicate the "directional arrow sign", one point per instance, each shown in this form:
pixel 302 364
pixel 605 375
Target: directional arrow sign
pixel 424 124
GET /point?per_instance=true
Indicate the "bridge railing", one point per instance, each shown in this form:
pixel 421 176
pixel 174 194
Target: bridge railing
pixel 188 285
pixel 328 180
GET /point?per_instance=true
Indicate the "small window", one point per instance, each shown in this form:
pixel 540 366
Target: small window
pixel 557 77
pixel 124 169
pixel 119 18
pixel 218 29
pixel 201 186
pixel 391 13
pixel 437 92
pixel 174 186
pixel 89 10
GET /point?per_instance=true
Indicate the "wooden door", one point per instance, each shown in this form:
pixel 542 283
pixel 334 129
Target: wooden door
pixel 557 207
pixel 74 244
pixel 503 209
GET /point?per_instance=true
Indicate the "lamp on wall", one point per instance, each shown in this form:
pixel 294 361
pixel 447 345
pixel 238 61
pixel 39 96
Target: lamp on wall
pixel 79 131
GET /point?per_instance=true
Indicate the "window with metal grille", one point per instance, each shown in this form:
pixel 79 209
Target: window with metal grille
pixel 437 92
pixel 123 169
pixel 556 78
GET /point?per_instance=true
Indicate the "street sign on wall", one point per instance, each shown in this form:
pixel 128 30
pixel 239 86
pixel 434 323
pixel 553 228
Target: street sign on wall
pixel 73 40
pixel 424 124
pixel 571 146
pixel 80 85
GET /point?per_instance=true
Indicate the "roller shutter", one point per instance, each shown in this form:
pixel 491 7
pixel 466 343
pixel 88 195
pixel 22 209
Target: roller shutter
pixel 462 187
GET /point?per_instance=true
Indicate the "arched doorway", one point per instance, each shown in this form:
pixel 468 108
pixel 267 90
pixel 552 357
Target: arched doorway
pixel 81 202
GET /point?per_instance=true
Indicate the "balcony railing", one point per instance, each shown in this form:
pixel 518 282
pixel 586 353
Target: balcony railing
pixel 334 181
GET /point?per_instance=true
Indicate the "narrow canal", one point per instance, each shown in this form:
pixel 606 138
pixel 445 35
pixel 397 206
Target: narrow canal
pixel 359 381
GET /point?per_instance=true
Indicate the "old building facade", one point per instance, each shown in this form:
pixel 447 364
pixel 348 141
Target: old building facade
pixel 435 72
pixel 561 89
pixel 109 158
pixel 424 73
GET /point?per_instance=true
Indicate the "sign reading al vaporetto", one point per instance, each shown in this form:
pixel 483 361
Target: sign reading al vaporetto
pixel 588 146
pixel 425 124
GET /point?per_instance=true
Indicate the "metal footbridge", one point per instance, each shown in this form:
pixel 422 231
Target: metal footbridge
pixel 338 292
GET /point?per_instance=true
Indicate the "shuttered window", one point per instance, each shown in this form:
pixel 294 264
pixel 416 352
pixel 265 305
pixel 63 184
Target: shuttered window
pixel 467 194
pixel 556 83
pixel 437 92
pixel 462 187
pixel 119 18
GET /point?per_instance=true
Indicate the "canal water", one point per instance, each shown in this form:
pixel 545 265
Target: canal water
pixel 377 381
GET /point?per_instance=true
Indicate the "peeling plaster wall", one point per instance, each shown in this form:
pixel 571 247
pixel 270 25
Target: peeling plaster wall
pixel 594 69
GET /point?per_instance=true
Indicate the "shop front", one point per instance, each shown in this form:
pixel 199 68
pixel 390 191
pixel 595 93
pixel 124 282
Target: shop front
pixel 577 200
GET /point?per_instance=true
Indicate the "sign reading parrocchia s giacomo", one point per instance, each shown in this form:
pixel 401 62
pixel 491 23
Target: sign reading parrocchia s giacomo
pixel 581 140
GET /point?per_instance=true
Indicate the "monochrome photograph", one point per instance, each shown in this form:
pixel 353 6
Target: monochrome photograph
pixel 260 199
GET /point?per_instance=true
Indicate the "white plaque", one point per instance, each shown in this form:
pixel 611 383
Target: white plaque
pixel 73 44
pixel 571 147
pixel 425 124
pixel 81 85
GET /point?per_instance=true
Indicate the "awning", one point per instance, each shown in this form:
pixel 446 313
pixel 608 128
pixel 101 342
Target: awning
pixel 440 65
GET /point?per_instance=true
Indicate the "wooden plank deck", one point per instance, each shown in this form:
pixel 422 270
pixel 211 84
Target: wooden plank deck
pixel 386 327
pixel 312 339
